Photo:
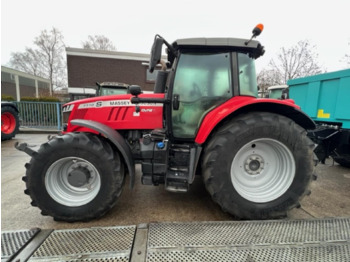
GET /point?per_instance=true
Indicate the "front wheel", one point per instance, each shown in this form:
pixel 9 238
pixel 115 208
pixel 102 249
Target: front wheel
pixel 258 166
pixel 75 177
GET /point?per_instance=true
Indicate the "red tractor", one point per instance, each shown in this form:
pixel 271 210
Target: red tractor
pixel 204 117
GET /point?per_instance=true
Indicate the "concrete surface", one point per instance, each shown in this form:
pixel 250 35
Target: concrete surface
pixel 145 204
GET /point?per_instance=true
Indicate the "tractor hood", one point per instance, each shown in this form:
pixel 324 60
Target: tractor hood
pixel 115 111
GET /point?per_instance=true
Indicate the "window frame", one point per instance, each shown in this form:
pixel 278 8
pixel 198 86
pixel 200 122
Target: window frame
pixel 234 87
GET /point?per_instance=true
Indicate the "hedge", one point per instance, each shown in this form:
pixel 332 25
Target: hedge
pixel 40 99
pixel 31 99
pixel 7 98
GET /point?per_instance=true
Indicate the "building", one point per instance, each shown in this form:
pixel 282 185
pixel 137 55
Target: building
pixel 85 67
pixel 19 84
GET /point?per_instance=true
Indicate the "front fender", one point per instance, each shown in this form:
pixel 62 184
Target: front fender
pixel 116 139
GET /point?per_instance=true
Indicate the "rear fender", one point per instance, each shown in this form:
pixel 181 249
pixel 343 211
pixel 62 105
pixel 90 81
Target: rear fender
pixel 11 105
pixel 239 105
pixel 116 139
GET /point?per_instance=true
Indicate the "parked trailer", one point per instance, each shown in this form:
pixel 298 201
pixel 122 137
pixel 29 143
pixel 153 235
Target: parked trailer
pixel 326 99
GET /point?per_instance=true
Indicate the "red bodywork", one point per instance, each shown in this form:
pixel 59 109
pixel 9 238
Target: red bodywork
pixel 218 114
pixel 117 112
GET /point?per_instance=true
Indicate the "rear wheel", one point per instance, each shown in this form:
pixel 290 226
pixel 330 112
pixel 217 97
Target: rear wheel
pixel 258 166
pixel 75 177
pixel 9 122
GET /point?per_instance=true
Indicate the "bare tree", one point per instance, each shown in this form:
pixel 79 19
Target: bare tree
pixel 51 48
pixel 298 61
pixel 268 77
pixel 47 60
pixel 28 61
pixel 346 58
pixel 99 42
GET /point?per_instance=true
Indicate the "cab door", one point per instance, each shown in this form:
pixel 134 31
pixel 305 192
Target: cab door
pixel 202 81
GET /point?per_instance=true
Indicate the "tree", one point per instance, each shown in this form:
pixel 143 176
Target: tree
pixel 47 60
pixel 98 42
pixel 268 77
pixel 298 61
pixel 28 61
pixel 346 58
pixel 51 48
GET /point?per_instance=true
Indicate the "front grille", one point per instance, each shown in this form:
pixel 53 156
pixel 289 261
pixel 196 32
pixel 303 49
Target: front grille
pixel 65 117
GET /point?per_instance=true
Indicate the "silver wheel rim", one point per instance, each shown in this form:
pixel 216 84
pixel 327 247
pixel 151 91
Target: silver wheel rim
pixel 59 183
pixel 263 170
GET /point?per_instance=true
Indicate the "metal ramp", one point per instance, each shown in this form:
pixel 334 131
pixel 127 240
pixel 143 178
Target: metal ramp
pixel 95 244
pixel 277 240
pixel 13 241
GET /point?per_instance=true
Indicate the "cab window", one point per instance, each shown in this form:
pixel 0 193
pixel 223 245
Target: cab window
pixel 202 82
pixel 247 77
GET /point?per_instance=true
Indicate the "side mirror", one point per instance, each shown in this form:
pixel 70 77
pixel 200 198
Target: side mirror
pixel 135 90
pixel 156 53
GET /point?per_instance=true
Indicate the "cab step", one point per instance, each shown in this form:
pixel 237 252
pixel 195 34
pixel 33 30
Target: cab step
pixel 176 181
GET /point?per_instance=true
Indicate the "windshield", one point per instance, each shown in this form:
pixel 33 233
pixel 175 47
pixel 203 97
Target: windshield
pixel 275 93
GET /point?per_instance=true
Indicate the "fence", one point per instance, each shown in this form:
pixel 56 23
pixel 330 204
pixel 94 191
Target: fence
pixel 42 115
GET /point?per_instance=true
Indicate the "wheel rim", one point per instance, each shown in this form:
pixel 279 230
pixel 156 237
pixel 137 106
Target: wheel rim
pixel 8 123
pixel 263 170
pixel 72 181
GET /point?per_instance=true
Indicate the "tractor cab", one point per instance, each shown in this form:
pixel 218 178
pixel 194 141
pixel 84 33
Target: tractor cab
pixel 111 88
pixel 201 74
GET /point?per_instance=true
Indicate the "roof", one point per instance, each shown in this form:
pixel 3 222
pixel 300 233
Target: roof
pixel 23 74
pixel 217 42
pixel 277 87
pixel 244 45
pixel 106 54
pixel 114 84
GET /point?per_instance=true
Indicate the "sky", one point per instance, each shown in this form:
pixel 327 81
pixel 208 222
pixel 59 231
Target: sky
pixel 131 25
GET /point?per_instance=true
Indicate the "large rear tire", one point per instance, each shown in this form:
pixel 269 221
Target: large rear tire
pixel 75 177
pixel 9 122
pixel 258 166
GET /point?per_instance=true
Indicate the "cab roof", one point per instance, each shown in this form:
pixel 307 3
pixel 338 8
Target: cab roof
pixel 235 44
pixel 114 84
